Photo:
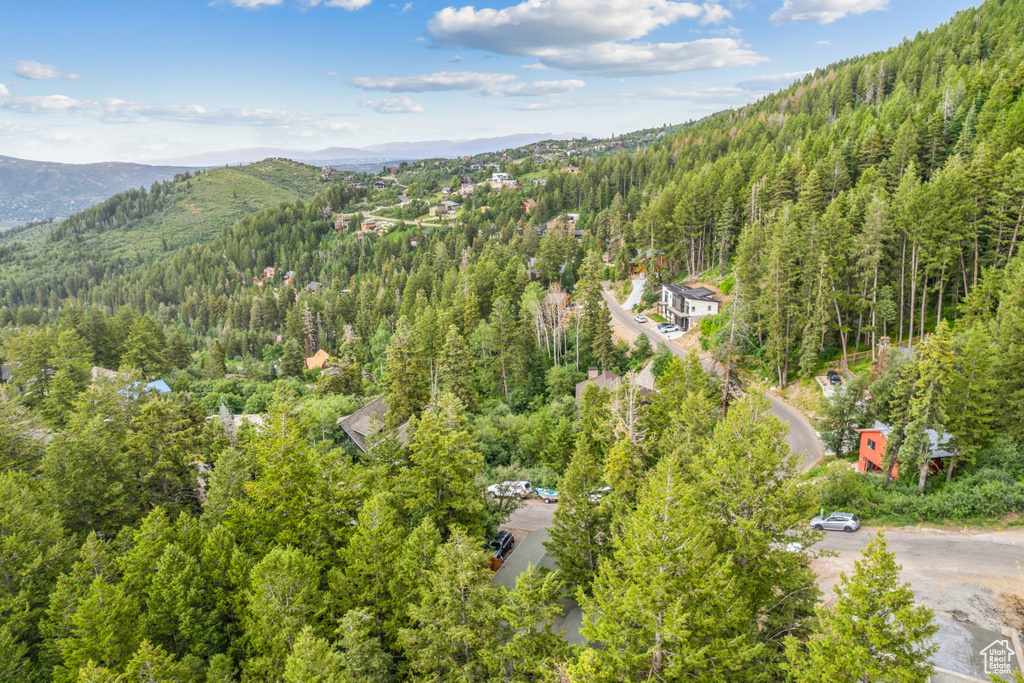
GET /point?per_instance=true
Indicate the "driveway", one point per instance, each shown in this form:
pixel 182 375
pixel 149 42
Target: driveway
pixel 636 294
pixel 802 437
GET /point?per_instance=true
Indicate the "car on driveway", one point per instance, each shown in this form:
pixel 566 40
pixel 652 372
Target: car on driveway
pixel 837 521
pixel 508 489
pixel 640 318
pixel 666 328
pixel 833 377
pixel 501 544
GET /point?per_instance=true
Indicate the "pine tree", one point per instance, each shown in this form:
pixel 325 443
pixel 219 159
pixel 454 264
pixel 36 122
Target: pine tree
pixel 873 632
pixel 313 660
pixel 292 360
pixel 405 375
pixel 665 605
pixel 369 564
pixel 534 650
pixel 456 369
pixel 215 366
pixel 579 530
pixel 440 484
pixel 282 601
pixel 456 626
pixel 146 348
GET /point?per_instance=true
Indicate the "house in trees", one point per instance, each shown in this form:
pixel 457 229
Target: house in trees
pixel 317 361
pixel 872 449
pixel 605 380
pixel 445 208
pixel 367 421
pixel 685 306
pixel 326 173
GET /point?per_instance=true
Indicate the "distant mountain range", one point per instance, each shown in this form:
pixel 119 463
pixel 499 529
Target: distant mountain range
pixel 40 190
pixel 381 153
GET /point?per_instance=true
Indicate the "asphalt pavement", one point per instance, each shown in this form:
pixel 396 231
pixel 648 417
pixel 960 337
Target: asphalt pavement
pixel 802 437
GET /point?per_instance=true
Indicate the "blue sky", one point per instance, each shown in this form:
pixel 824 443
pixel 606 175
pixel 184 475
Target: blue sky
pixel 88 81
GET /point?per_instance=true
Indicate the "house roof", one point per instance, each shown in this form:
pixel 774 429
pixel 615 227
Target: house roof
pixel 362 423
pixel 697 293
pixel 159 386
pixel 317 360
pixel 606 380
pixel 938 444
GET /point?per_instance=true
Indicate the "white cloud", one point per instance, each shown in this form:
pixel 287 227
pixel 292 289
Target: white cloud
pixel 396 105
pixel 823 11
pixel 455 60
pixel 586 36
pixel 37 71
pixel 406 7
pixel 643 59
pixel 350 5
pixel 4 92
pixel 535 25
pixel 534 67
pixel 714 14
pixel 254 4
pixel 535 89
pixel 115 110
pixel 435 82
pixel 41 103
pixel 771 82
pixel 823 42
pixel 333 74
pixel 257 4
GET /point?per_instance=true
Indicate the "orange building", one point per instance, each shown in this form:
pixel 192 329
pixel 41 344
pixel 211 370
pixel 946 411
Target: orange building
pixel 872 449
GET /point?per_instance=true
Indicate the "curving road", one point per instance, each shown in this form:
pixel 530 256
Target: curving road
pixel 802 437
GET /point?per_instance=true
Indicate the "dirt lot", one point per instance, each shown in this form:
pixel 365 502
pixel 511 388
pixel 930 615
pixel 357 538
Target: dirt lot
pixel 971 576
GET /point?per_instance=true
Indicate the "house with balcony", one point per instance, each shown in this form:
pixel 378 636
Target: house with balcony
pixel 685 306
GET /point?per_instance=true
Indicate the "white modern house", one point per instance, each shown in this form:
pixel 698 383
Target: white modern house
pixel 685 306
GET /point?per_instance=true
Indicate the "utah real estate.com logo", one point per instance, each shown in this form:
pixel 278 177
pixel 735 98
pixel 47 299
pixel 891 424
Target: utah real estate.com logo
pixel 997 657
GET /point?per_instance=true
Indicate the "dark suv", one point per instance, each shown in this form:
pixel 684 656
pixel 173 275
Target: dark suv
pixel 501 544
pixel 833 377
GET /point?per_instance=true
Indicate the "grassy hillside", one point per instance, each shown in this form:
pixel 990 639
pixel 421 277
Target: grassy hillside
pixel 106 241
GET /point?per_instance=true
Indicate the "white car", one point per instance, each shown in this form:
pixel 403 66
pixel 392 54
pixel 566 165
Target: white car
pixel 508 489
pixel 666 329
pixel 640 318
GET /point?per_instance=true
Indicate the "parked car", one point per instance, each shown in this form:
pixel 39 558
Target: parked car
pixel 665 328
pixel 640 318
pixel 833 377
pixel 547 495
pixel 837 521
pixel 501 544
pixel 507 489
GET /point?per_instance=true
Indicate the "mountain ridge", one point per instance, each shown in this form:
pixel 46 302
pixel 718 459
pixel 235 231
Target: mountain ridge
pixel 380 152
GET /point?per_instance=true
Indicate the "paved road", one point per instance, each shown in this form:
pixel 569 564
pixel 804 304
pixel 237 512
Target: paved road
pixel 802 437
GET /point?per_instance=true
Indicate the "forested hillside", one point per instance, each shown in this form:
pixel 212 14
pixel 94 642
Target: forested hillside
pixel 230 529
pixel 41 190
